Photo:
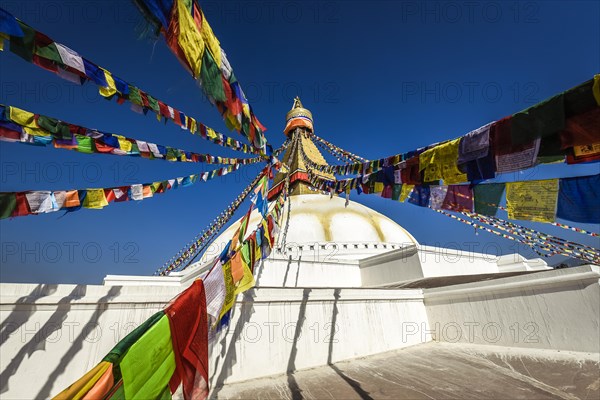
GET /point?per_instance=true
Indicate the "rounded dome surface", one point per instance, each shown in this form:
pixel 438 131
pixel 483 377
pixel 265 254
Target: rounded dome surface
pixel 316 218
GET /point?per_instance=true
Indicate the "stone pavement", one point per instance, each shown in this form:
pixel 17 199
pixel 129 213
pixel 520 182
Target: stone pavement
pixel 436 371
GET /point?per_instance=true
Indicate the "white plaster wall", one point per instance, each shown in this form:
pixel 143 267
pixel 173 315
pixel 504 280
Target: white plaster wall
pixel 274 331
pixel 437 261
pixel 392 267
pixel 299 273
pixel 52 334
pixel 556 309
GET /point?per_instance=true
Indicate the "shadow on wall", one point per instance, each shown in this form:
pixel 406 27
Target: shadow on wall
pixel 296 393
pixel 355 385
pixel 38 341
pixel 23 310
pixel 291 367
pixel 227 350
pixel 77 344
pixel 21 314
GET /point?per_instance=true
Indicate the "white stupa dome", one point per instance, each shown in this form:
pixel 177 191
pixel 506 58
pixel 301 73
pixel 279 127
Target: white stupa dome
pixel 318 219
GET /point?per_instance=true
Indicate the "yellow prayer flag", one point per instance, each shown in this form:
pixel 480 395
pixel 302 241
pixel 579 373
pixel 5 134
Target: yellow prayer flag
pixel 211 133
pixel 210 40
pixel 246 109
pixel 95 198
pixel 192 127
pixel 440 162
pixel 532 200
pixel 247 281
pixel 111 88
pixel 124 144
pixel 36 131
pixel 378 187
pixel 406 189
pixel 22 117
pixel 79 388
pixel 229 289
pixel 189 39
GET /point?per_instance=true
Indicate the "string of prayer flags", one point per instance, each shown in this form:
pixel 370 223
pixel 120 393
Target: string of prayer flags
pixel 565 127
pixel 191 249
pixel 337 150
pixel 232 273
pixel 16 204
pixel 497 233
pixel 192 40
pixel 37 48
pixel 574 199
pixel 169 349
pixel 532 200
pixel 542 244
pixel 579 199
pixel 22 126
pixel 543 240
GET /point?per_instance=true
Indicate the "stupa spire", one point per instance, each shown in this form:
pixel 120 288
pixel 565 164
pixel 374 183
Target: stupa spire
pixel 298 117
pixel 298 129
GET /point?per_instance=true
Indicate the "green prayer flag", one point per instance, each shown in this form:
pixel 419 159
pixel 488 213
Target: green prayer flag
pixel 153 103
pixel 49 52
pixel 580 99
pixel 23 46
pixel 541 120
pixel 210 75
pixel 134 148
pixel 165 395
pixel 85 144
pixel 246 253
pixel 487 198
pixel 8 202
pixel 115 355
pixel 396 192
pixel 149 363
pixel 135 97
pixel 58 129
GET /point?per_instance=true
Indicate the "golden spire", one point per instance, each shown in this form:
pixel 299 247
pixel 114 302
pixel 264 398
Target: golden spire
pixel 298 129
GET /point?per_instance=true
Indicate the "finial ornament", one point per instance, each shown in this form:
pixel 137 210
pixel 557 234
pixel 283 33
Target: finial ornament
pixel 297 117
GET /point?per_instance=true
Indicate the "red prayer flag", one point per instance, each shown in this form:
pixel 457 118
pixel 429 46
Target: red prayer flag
pixel 22 207
pixel 458 198
pixel 189 333
pixel 10 134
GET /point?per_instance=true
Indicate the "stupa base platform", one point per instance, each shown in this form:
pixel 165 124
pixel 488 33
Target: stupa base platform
pixel 436 371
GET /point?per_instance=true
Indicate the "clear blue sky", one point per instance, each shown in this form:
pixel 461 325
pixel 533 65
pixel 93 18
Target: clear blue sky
pixel 379 77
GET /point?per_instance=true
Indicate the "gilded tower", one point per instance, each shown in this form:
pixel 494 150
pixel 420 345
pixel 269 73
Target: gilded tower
pixel 299 129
